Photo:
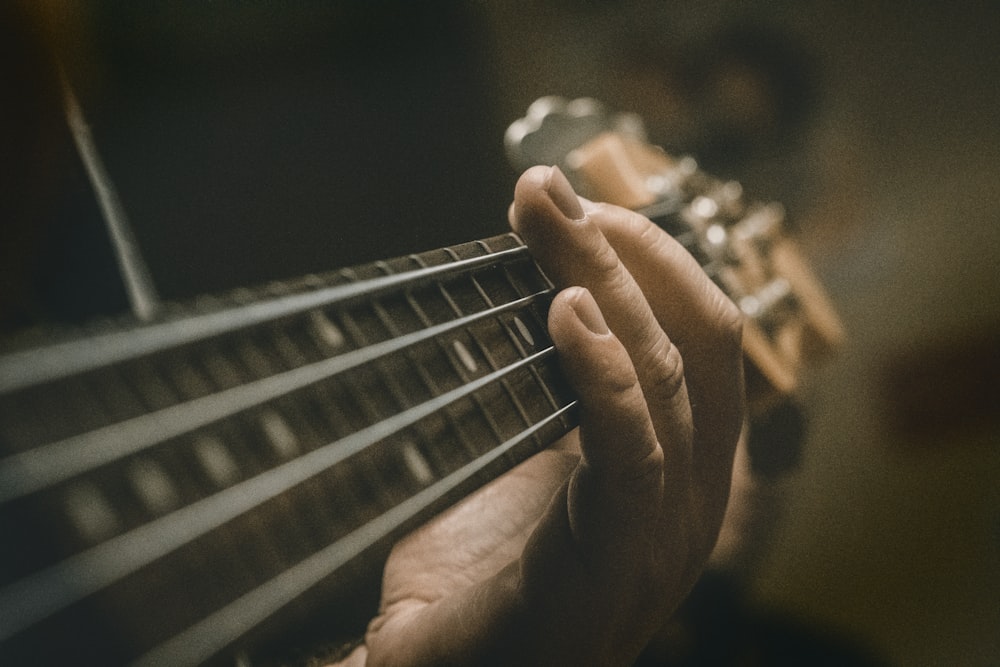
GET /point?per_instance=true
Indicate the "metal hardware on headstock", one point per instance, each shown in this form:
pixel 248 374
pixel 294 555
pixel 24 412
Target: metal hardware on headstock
pixel 740 243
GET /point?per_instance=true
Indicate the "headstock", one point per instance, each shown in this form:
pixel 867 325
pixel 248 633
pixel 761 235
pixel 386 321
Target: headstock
pixel 741 244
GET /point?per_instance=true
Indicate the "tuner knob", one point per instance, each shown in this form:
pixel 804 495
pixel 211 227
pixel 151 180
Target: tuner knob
pixel 761 226
pixel 671 182
pixel 554 127
pixel 765 304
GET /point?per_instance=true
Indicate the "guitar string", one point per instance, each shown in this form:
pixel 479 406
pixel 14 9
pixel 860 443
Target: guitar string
pixel 451 298
pixel 27 368
pixel 389 316
pixel 458 367
pixel 488 353
pixel 211 634
pixel 545 387
pixel 37 596
pixel 43 466
pixel 516 342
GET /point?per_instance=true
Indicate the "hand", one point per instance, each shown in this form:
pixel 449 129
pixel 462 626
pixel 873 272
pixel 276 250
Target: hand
pixel 579 554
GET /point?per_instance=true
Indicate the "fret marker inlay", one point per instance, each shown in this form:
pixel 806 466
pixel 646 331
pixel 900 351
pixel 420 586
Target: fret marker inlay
pixel 153 486
pixel 279 434
pixel 90 512
pixel 216 460
pixel 522 329
pixel 464 356
pixel 417 464
pixel 326 330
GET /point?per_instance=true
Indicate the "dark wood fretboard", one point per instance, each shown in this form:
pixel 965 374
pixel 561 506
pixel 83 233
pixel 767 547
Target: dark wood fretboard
pixel 169 487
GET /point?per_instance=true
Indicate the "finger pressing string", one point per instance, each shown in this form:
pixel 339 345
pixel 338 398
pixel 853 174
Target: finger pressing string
pixel 617 436
pixel 573 251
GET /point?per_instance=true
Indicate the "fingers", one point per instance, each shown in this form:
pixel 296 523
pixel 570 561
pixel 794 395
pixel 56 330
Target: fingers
pixel 622 540
pixel 702 322
pixel 646 284
pixel 617 437
pixel 572 250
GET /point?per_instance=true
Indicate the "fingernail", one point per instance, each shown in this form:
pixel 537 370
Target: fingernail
pixel 589 312
pixel 562 195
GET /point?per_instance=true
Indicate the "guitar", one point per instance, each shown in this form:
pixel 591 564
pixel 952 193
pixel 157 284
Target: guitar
pixel 182 490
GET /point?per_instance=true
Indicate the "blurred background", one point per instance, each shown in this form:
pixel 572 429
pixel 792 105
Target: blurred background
pixel 254 141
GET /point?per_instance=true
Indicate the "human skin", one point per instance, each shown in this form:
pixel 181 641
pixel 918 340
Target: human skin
pixel 580 554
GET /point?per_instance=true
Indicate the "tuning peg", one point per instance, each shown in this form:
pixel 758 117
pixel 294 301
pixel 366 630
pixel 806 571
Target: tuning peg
pixel 553 127
pixel 762 225
pixel 765 303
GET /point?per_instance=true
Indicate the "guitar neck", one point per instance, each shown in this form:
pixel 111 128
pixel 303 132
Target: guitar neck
pixel 196 475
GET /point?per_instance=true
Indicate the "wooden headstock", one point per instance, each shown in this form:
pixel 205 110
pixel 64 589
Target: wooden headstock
pixel 742 244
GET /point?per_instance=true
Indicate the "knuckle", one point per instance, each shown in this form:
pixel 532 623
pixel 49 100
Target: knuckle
pixel 619 380
pixel 724 330
pixel 644 475
pixel 730 319
pixel 645 232
pixel 663 368
pixel 605 260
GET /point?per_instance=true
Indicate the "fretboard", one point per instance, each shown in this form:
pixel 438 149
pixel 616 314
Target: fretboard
pixel 168 488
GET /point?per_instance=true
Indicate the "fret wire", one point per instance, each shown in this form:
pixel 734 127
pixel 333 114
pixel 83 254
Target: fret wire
pixel 383 317
pixel 275 441
pixel 546 391
pixel 390 378
pixel 35 469
pixel 225 370
pixel 333 409
pixel 200 641
pixel 505 269
pixel 37 596
pixel 402 400
pixel 515 399
pixel 456 367
pixel 319 511
pixel 182 459
pixel 92 512
pixel 147 381
pixel 518 405
pixel 462 371
pixel 515 339
pixel 355 332
pixel 487 414
pixel 489 304
pixel 458 312
pixel 424 376
pixel 30 367
pixel 383 494
pixel 286 348
pixel 379 494
pixel 122 398
pixel 543 386
pixel 453 446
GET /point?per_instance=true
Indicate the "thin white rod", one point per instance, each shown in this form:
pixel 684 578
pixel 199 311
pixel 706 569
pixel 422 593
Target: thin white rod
pixel 138 281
